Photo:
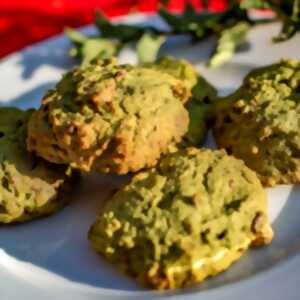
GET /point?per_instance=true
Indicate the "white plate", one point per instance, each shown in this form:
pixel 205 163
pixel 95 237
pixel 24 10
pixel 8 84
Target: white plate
pixel 52 259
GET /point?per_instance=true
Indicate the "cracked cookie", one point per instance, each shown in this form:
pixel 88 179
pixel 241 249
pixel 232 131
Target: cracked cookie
pixel 187 219
pixel 111 118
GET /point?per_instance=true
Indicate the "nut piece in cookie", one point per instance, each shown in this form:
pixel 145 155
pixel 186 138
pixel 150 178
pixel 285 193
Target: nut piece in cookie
pixel 29 186
pixel 260 123
pixel 110 118
pixel 188 219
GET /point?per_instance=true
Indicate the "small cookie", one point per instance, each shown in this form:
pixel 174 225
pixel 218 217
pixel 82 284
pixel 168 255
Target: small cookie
pixel 29 186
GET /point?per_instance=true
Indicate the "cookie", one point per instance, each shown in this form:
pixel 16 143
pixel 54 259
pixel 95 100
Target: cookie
pixel 187 219
pixel 110 118
pixel 260 122
pixel 179 68
pixel 199 105
pixel 29 186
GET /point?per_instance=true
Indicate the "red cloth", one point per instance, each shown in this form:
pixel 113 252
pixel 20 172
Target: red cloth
pixel 25 22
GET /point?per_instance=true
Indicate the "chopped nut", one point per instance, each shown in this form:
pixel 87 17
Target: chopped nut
pixel 240 103
pixel 258 222
pixel 254 150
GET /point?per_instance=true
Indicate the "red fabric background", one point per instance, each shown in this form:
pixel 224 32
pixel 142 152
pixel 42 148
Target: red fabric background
pixel 23 22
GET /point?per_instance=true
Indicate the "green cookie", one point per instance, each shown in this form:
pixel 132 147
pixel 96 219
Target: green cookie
pixel 29 186
pixel 260 122
pixel 186 220
pixel 111 118
pixel 199 105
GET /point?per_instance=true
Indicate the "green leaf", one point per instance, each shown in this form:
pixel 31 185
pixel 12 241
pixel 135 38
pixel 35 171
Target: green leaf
pixel 255 4
pixel 189 11
pixel 202 25
pixel 148 47
pixel 95 48
pixel 228 41
pixel 203 90
pixel 290 16
pixel 78 39
pixel 175 22
pixel 189 21
pixel 296 11
pixel 199 115
pixel 288 30
pixel 288 11
pixel 75 52
pixel 198 25
pixel 75 36
pixel 291 21
pixel 123 33
pixel 201 111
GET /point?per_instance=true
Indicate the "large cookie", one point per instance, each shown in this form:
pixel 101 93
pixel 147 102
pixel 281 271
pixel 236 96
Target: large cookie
pixel 111 118
pixel 260 122
pixel 189 218
pixel 29 186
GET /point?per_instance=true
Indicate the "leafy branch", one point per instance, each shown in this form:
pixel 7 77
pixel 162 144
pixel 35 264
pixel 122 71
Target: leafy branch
pixel 230 27
pixel 287 11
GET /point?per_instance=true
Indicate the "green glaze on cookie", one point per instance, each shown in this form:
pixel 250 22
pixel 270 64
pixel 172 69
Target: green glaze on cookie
pixel 110 118
pixel 260 122
pixel 29 186
pixel 186 220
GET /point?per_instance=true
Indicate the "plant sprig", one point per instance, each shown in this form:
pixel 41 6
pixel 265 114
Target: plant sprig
pixel 287 11
pixel 230 27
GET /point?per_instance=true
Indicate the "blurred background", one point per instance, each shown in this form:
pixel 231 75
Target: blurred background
pixel 25 22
